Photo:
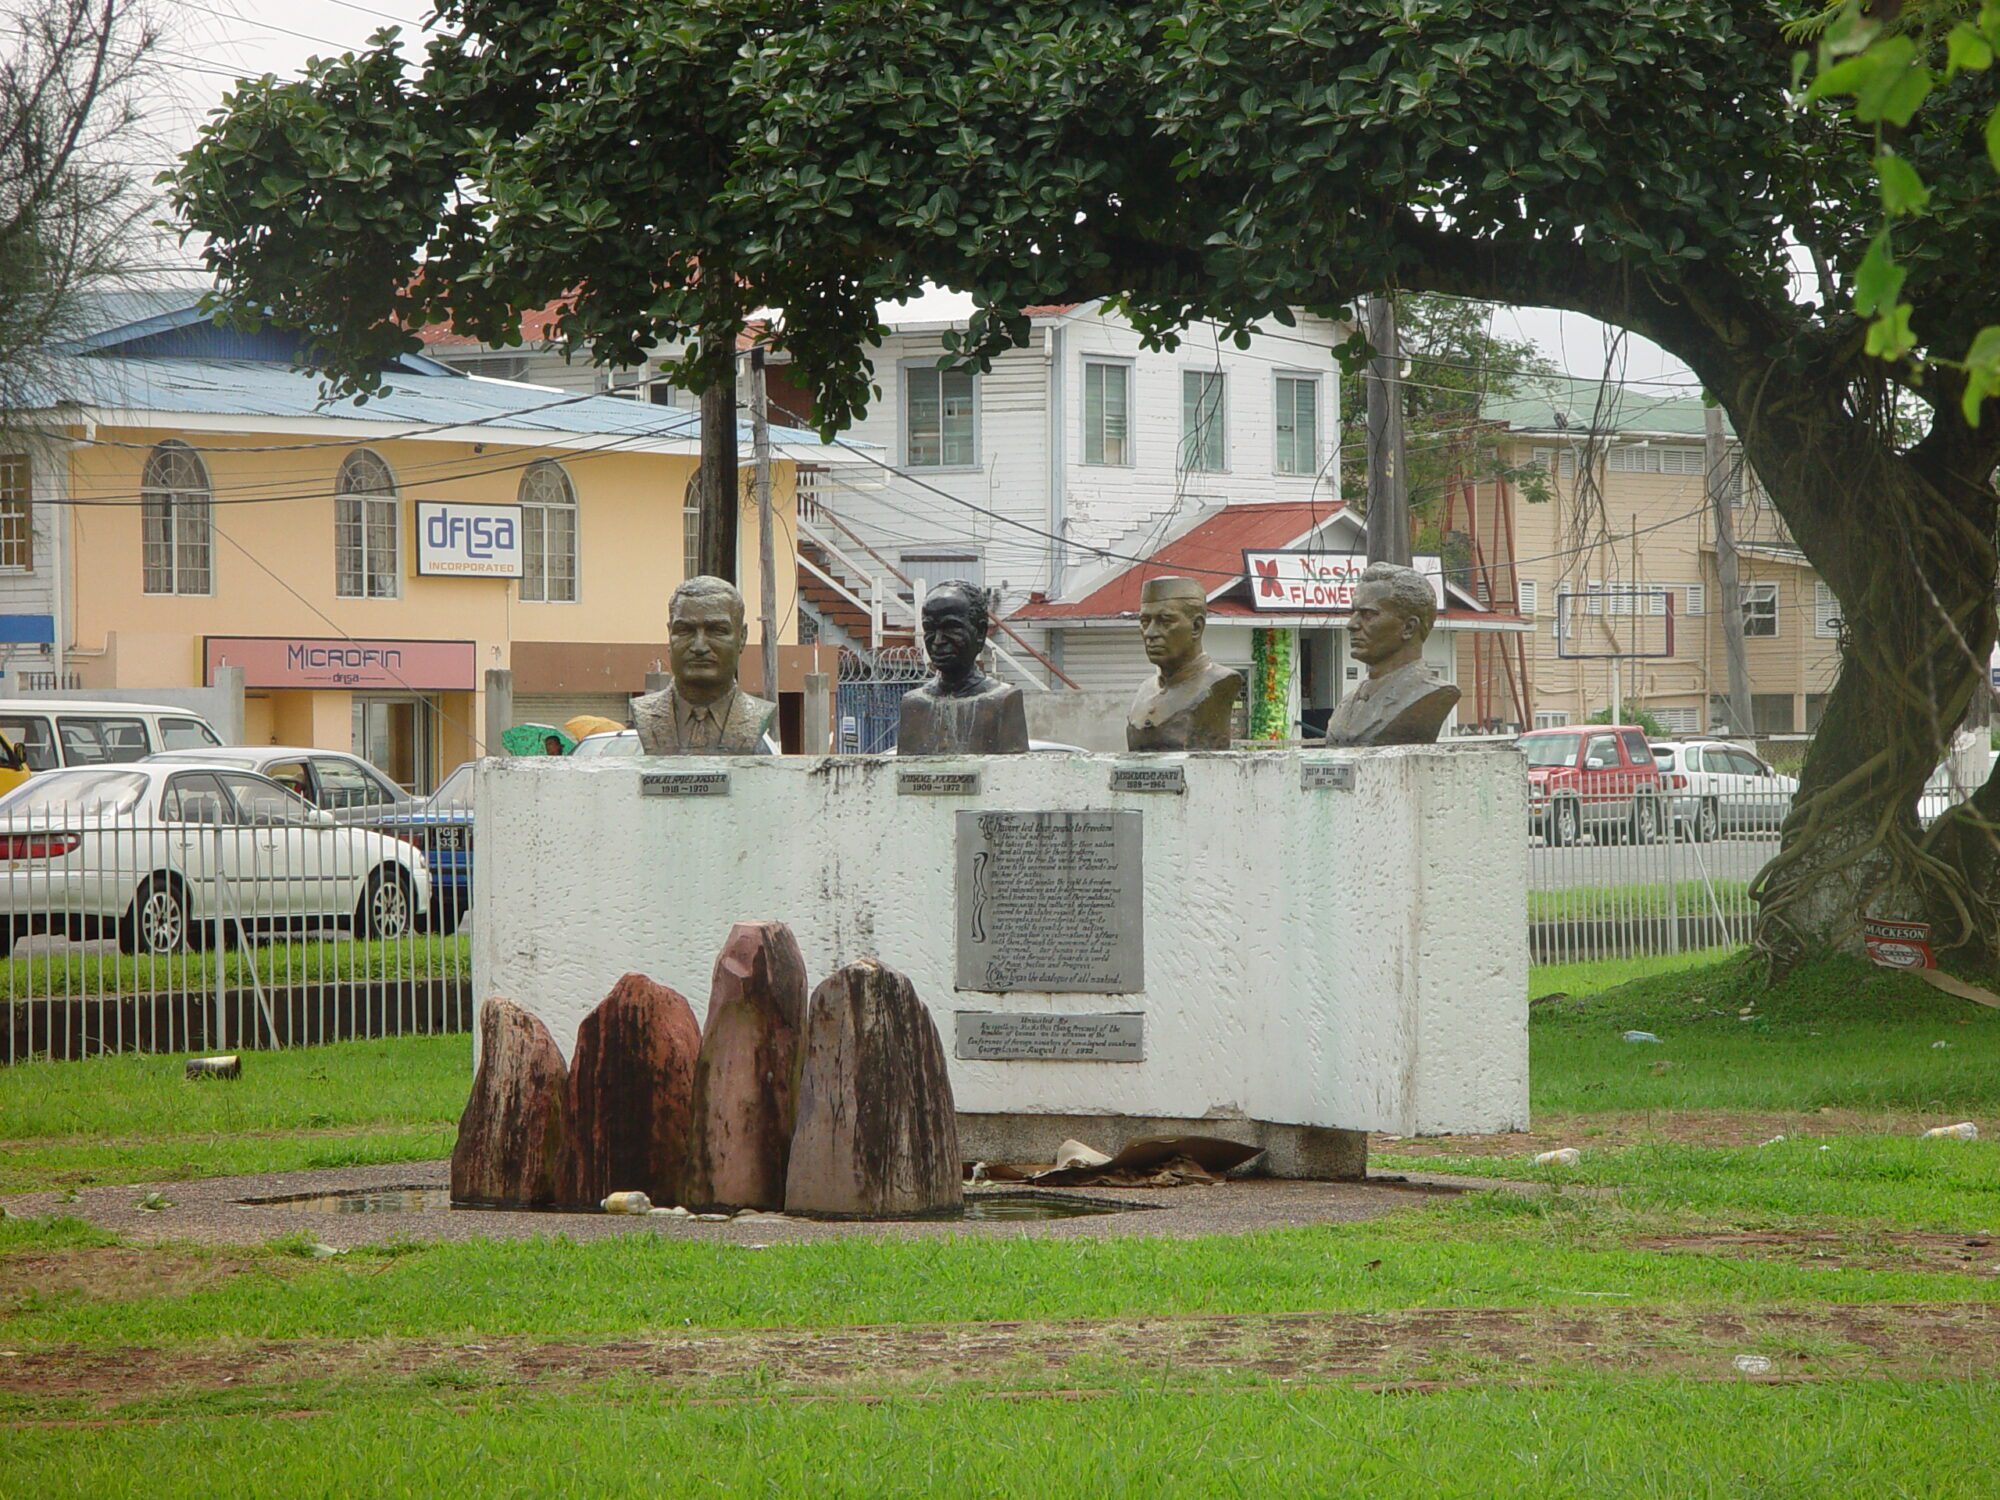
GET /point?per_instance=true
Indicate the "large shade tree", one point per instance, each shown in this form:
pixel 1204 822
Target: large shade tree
pixel 1646 162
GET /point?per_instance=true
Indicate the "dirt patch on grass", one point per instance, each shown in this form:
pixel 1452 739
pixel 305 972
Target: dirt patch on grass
pixel 1885 1250
pixel 110 1274
pixel 1714 1128
pixel 1832 1341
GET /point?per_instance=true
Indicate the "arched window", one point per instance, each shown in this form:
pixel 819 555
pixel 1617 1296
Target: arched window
pixel 367 533
pixel 174 516
pixel 691 528
pixel 548 534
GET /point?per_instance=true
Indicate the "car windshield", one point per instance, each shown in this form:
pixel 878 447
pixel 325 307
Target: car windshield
pixel 1550 749
pixel 456 793
pixel 77 792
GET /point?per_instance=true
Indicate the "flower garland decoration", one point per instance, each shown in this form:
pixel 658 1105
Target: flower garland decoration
pixel 1271 683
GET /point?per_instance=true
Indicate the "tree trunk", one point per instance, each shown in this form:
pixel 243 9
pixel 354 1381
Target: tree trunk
pixel 721 487
pixel 1915 582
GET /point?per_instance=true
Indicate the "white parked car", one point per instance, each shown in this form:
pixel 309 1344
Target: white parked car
pixel 149 851
pixel 620 742
pixel 335 782
pixel 1717 788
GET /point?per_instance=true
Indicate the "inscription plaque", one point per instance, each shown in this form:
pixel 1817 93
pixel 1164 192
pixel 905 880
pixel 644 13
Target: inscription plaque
pixel 1327 776
pixel 1168 779
pixel 1051 901
pixel 996 1036
pixel 937 783
pixel 684 784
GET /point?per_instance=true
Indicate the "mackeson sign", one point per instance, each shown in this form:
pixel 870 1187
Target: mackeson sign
pixel 1311 581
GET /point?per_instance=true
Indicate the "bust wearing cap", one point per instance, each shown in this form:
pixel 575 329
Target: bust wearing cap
pixel 1190 704
pixel 1398 704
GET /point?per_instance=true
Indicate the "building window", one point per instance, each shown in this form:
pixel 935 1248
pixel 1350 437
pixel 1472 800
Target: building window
pixel 1204 421
pixel 1772 713
pixel 548 535
pixel 366 529
pixel 1760 610
pixel 941 418
pixel 174 513
pixel 17 532
pixel 1298 424
pixel 1531 597
pixel 1561 463
pixel 1678 721
pixel 1826 614
pixel 1107 407
pixel 930 569
pixel 691 528
pixel 1647 458
pixel 1550 718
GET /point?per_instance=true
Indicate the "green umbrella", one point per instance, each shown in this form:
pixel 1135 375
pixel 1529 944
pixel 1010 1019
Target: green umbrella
pixel 532 739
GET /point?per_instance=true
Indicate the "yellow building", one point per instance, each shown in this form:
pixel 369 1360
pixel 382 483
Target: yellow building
pixel 365 565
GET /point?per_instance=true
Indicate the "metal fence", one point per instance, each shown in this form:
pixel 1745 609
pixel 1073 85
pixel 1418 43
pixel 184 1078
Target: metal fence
pixel 1619 876
pixel 870 697
pixel 180 923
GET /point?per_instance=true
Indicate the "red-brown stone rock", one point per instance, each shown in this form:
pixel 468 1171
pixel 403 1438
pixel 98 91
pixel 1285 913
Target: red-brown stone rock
pixel 746 1082
pixel 512 1135
pixel 631 1095
pixel 877 1134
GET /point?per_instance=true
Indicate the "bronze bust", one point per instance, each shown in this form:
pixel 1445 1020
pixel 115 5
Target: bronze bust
pixel 1190 705
pixel 704 712
pixel 1398 704
pixel 960 710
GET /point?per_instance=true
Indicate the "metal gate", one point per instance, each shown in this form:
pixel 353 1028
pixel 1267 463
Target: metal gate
pixel 870 697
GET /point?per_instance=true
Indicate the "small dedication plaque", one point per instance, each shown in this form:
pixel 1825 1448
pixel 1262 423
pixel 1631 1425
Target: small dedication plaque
pixel 995 1036
pixel 1328 776
pixel 684 784
pixel 1051 901
pixel 937 783
pixel 1169 779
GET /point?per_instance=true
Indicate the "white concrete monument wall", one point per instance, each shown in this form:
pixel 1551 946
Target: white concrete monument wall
pixel 1348 957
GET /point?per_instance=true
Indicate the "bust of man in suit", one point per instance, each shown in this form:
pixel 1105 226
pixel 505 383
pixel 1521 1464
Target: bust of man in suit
pixel 960 710
pixel 1394 611
pixel 704 712
pixel 1189 705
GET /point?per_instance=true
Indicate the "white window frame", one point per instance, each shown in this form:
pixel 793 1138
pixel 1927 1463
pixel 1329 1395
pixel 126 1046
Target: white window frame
pixel 1125 369
pixel 1557 463
pixel 1826 612
pixel 1279 380
pixel 17 513
pixel 691 528
pixel 1528 597
pixel 535 513
pixel 1679 723
pixel 1186 450
pixel 1551 718
pixel 168 503
pixel 914 371
pixel 355 519
pixel 1760 595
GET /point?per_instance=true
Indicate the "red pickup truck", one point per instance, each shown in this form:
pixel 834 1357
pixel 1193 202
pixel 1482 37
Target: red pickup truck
pixel 1595 778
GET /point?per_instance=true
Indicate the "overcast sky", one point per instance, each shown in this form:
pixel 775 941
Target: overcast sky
pixel 212 42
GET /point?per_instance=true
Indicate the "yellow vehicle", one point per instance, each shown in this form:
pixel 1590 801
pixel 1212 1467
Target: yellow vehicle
pixel 13 766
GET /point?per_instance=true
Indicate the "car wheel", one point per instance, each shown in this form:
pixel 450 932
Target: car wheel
pixel 1564 823
pixel 1707 821
pixel 1645 820
pixel 157 920
pixel 386 909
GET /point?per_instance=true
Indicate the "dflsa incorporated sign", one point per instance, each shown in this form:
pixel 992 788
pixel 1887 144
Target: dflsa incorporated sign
pixel 468 541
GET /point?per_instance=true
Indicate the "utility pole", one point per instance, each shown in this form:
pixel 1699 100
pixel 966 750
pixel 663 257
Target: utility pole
pixel 1715 455
pixel 767 562
pixel 1388 487
pixel 721 489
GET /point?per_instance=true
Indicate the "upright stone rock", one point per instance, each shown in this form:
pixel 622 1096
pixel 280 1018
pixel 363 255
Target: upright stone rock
pixel 746 1082
pixel 631 1095
pixel 511 1137
pixel 877 1135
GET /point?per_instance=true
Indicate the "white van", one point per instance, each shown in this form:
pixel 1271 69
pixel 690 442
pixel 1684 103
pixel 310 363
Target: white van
pixel 54 732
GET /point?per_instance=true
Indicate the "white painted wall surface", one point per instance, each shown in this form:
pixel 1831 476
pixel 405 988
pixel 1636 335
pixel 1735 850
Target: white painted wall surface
pixel 1356 960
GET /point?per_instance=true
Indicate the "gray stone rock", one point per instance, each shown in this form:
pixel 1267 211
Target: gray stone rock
pixel 512 1136
pixel 877 1136
pixel 746 1082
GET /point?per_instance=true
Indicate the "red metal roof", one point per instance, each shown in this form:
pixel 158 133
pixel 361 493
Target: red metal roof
pixel 1050 309
pixel 538 326
pixel 1211 552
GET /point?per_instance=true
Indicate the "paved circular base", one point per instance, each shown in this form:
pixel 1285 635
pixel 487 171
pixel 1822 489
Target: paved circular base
pixel 211 1210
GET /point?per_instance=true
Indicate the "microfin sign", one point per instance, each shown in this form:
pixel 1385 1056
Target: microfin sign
pixel 1310 582
pixel 337 662
pixel 468 541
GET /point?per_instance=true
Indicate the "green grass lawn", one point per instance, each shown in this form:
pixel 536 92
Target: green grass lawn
pixel 1841 1062
pixel 303 961
pixel 1623 903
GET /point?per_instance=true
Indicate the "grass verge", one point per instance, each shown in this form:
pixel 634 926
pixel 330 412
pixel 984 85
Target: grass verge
pixel 64 975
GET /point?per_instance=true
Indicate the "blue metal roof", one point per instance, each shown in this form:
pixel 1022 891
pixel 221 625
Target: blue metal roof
pixel 128 368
